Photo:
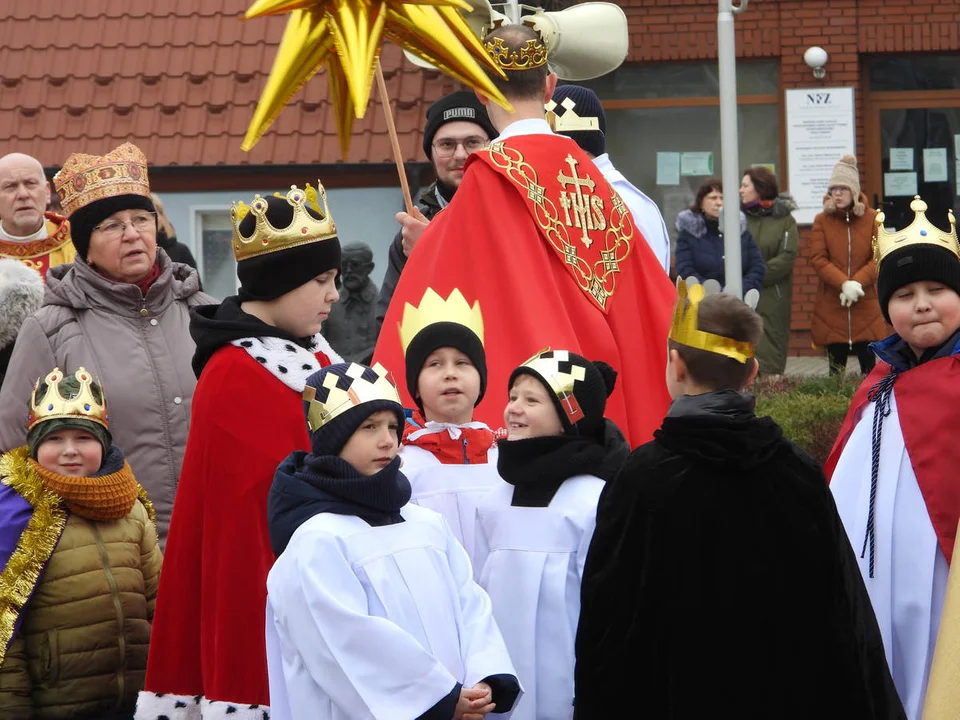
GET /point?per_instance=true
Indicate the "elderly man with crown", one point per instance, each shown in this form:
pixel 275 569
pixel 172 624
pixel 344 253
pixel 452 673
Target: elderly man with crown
pixel 550 250
pixel 80 561
pixel 254 354
pixel 893 467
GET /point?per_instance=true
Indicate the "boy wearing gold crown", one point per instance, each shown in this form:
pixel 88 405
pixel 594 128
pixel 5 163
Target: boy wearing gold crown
pixel 254 354
pixel 534 527
pixel 372 608
pixel 449 458
pixel 720 582
pixel 893 468
pixel 80 562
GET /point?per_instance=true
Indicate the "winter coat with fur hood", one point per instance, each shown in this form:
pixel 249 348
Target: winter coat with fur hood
pixel 21 294
pixel 700 251
pixel 841 250
pixel 139 347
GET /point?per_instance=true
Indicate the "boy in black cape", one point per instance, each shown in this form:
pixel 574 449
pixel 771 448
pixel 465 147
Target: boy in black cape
pixel 720 581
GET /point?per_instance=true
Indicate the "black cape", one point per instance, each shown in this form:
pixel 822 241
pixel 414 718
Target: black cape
pixel 720 583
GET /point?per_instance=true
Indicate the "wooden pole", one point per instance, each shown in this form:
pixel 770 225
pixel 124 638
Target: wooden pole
pixel 394 140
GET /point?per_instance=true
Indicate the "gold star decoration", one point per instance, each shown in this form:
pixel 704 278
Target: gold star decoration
pixel 345 37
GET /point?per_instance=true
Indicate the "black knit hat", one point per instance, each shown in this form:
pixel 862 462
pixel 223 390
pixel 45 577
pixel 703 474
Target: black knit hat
pixel 590 394
pixel 912 264
pixel 270 275
pixel 83 219
pixel 330 437
pixel 587 105
pixel 438 335
pixel 458 106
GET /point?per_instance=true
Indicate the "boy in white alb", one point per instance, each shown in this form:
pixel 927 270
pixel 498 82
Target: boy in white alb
pixel 534 528
pixel 450 460
pixel 372 613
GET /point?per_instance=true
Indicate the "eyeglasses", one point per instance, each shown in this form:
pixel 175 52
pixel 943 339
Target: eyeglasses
pixel 141 222
pixel 447 147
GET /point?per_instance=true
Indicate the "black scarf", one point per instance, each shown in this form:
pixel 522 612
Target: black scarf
pixel 306 485
pixel 537 467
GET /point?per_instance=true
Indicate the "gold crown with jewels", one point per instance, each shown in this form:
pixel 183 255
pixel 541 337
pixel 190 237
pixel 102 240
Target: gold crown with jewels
pixel 561 372
pixel 435 309
pixel 569 121
pixel 47 402
pixel 685 330
pixel 302 230
pixel 532 55
pixel 338 393
pixel 84 179
pixel 920 232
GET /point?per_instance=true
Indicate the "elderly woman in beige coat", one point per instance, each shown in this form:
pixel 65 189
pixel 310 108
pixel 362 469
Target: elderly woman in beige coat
pixel 121 310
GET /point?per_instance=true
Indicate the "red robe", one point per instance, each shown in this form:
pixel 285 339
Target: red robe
pixel 928 398
pixel 500 242
pixel 208 629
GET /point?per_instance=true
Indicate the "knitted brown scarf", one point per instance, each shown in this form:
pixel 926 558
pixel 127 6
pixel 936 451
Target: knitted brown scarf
pixel 104 497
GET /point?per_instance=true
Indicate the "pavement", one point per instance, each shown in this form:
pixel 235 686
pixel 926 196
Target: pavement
pixel 816 366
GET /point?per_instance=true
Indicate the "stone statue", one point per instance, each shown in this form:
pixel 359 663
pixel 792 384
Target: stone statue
pixel 351 328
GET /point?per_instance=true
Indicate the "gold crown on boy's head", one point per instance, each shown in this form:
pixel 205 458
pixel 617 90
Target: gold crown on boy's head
pixel 920 232
pixel 47 402
pixel 303 228
pixel 435 309
pixel 569 121
pixel 83 179
pixel 338 393
pixel 532 54
pixel 684 328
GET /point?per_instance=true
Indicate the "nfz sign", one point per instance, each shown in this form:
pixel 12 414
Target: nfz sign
pixel 819 98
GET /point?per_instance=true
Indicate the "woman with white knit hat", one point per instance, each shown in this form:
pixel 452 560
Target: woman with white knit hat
pixel 846 314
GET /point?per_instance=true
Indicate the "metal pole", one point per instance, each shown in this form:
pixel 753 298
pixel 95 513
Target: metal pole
pixel 511 8
pixel 729 147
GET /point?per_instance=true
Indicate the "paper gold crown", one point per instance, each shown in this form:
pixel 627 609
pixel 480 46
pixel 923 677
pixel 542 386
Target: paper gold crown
pixel 685 330
pixel 561 373
pixel 920 232
pixel 434 309
pixel 532 55
pixel 302 230
pixel 83 179
pixel 47 402
pixel 569 121
pixel 339 393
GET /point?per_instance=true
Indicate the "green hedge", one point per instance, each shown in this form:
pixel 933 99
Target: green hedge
pixel 810 411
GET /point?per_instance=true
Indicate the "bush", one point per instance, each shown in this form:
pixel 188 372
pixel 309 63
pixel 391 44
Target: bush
pixel 810 411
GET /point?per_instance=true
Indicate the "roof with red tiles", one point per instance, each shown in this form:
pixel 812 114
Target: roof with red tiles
pixel 180 78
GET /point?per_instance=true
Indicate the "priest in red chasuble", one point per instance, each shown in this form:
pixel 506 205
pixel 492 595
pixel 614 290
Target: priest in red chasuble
pixel 36 238
pixel 549 249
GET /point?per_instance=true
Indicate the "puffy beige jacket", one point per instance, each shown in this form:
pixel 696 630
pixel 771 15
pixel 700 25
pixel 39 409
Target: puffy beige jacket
pixel 81 650
pixel 139 347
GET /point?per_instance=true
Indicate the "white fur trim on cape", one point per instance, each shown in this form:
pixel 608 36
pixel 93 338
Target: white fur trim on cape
pixel 288 362
pixel 21 295
pixel 153 706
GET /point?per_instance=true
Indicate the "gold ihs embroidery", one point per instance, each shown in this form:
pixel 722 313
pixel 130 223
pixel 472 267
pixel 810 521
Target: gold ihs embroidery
pixel 588 211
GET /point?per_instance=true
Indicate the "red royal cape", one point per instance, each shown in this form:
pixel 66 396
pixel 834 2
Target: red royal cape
pixel 208 629
pixel 513 239
pixel 928 402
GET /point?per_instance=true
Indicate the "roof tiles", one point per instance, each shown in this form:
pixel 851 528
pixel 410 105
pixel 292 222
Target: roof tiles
pixel 180 78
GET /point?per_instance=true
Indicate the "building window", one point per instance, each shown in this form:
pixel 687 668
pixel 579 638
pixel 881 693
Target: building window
pixel 660 108
pixel 215 260
pixel 913 72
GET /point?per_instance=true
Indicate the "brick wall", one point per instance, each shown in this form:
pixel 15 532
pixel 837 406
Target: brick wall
pixel 676 30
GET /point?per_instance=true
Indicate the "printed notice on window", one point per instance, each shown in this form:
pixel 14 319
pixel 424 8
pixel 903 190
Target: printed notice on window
pixel 934 165
pixel 899 184
pixel 901 158
pixel 668 168
pixel 696 164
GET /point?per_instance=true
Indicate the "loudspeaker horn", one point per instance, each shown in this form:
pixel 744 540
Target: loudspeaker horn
pixel 585 41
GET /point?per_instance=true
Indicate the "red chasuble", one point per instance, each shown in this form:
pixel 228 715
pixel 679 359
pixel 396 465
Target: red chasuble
pixel 928 398
pixel 550 250
pixel 208 628
pixel 41 255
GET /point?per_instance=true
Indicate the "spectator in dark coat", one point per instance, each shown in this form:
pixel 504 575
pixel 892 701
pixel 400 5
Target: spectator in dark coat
pixel 167 237
pixel 699 250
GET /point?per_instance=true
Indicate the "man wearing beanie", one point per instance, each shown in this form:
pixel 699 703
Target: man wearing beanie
pixel 534 527
pixel 576 111
pixel 254 354
pixel 372 610
pixel 457 125
pixel 539 237
pixel 892 470
pixel 78 546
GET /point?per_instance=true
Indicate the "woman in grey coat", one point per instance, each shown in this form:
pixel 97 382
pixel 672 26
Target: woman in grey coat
pixel 121 310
